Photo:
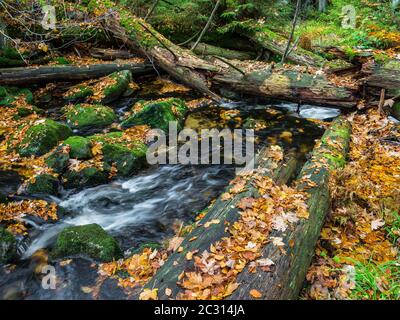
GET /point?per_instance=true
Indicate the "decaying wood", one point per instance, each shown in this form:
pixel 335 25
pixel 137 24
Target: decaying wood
pixel 385 77
pixel 110 54
pixel 225 212
pixel 290 267
pixel 203 49
pixel 44 74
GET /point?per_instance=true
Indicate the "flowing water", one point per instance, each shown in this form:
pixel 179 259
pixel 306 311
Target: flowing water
pixel 146 207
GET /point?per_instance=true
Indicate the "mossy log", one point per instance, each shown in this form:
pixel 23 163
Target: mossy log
pixel 43 74
pixel 289 270
pixel 225 212
pixel 200 74
pixel 203 49
pixel 275 43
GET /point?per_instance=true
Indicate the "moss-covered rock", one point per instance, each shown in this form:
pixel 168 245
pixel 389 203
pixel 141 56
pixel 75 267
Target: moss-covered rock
pixel 86 115
pixel 90 240
pixel 157 114
pixel 112 87
pixel 80 147
pixel 43 184
pixel 8 95
pixel 8 246
pixel 58 160
pixel 78 92
pixel 42 136
pixel 127 157
pixel 87 177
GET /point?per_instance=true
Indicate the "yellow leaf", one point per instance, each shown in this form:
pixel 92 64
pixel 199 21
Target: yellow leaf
pixel 148 294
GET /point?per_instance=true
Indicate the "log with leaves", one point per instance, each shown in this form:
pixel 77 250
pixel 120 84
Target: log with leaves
pixel 222 213
pixel 292 250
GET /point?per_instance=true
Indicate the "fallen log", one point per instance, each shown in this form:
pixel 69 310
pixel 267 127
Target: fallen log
pixel 43 74
pixel 110 54
pixel 285 279
pixel 203 49
pixel 275 43
pixel 224 211
pixel 386 76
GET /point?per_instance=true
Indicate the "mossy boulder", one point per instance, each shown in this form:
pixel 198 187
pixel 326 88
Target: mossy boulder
pixel 86 115
pixel 80 147
pixel 42 136
pixel 157 114
pixel 8 95
pixel 8 246
pixel 112 86
pixel 90 240
pixel 128 157
pixel 43 184
pixel 58 160
pixel 78 92
pixel 87 177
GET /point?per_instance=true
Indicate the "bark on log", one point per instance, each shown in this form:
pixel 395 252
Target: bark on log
pixel 277 44
pixel 203 49
pixel 385 77
pixel 199 74
pixel 226 212
pixel 43 74
pixel 289 271
pixel 110 54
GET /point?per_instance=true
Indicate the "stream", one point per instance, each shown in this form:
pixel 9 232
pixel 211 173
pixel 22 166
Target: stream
pixel 146 208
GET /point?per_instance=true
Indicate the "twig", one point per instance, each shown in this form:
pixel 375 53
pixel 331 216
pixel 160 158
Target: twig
pixel 381 100
pixel 296 14
pixel 229 64
pixel 207 25
pixel 153 7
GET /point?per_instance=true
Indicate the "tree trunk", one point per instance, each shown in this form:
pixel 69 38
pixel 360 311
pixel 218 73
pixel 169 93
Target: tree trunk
pixel 225 212
pixel 289 269
pixel 44 74
pixel 203 49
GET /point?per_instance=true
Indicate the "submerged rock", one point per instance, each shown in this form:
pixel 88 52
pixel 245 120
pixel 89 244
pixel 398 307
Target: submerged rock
pixel 88 116
pixel 43 184
pixel 157 114
pixel 41 137
pixel 8 246
pixel 79 147
pixel 90 240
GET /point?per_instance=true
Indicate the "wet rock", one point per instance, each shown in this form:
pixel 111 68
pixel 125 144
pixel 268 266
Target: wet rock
pixel 80 147
pixel 59 159
pixel 127 157
pixel 90 240
pixel 157 114
pixel 112 87
pixel 41 137
pixel 43 184
pixel 88 116
pixel 8 246
pixel 78 93
pixel 87 177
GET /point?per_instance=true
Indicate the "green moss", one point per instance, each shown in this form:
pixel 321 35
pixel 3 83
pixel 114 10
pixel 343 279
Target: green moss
pixel 9 94
pixel 90 240
pixel 9 57
pixel 114 91
pixel 44 184
pixel 392 65
pixel 337 161
pixel 8 246
pixel 86 177
pixel 158 114
pixel 84 116
pixel 80 147
pixel 396 110
pixel 23 111
pixel 61 61
pixel 42 137
pixel 80 92
pixel 127 160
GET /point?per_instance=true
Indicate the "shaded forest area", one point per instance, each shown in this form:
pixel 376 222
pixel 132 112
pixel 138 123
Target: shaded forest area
pixel 82 83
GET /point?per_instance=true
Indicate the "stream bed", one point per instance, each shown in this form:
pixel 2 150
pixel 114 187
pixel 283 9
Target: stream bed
pixel 148 207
